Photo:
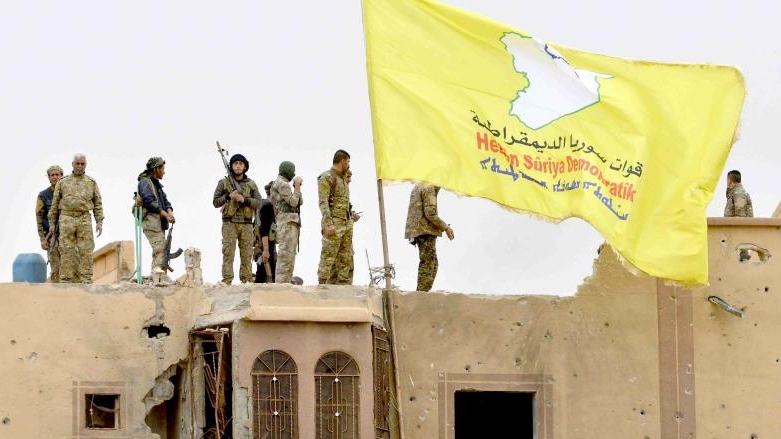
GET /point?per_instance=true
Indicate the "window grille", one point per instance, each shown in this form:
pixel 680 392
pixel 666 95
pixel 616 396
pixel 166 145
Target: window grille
pixel 337 393
pixel 275 393
pixel 382 378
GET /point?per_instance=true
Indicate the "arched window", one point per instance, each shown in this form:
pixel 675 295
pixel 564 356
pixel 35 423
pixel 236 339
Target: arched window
pixel 274 396
pixel 337 393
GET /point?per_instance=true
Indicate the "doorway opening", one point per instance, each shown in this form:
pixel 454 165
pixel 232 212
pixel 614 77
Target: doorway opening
pixel 210 354
pixel 481 414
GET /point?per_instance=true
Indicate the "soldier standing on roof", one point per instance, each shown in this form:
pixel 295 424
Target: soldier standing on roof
pixel 423 228
pixel 238 209
pixel 346 264
pixel 42 207
pixel 157 211
pixel 74 197
pixel 288 203
pixel 334 200
pixel 266 239
pixel 738 203
pixel 738 200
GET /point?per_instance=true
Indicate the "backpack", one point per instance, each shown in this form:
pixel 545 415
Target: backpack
pixel 138 202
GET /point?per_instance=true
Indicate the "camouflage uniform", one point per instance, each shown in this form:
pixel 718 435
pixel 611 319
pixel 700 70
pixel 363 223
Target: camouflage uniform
pixel 345 265
pixel 154 200
pixel 739 204
pixel 74 197
pixel 287 204
pixel 42 208
pixel 422 229
pixel 336 251
pixel 237 226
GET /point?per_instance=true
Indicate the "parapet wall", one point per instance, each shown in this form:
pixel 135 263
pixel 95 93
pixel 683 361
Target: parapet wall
pixel 66 342
pixel 625 357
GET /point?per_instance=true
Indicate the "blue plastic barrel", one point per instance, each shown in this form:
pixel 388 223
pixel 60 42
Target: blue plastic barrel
pixel 29 267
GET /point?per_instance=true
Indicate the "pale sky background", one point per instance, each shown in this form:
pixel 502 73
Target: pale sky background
pixel 123 81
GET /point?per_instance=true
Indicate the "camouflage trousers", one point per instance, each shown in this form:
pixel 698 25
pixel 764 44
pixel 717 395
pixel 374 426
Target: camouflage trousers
pixel 233 233
pixel 76 246
pixel 427 267
pixel 287 245
pixel 338 252
pixel 54 262
pixel 154 233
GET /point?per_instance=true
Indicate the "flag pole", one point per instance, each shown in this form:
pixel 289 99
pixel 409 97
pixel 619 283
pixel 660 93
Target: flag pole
pixel 384 230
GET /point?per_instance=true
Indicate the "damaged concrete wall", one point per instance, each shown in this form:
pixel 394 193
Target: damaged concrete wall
pixel 738 361
pixel 591 354
pixel 64 341
pixel 113 262
pixel 626 357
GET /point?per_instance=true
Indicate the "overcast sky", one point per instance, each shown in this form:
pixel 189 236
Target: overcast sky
pixel 123 81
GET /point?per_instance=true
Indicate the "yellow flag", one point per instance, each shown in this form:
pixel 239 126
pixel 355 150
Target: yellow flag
pixel 474 106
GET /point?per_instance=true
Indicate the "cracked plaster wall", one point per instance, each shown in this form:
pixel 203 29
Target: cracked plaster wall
pixel 603 351
pixel 596 351
pixel 738 361
pixel 56 335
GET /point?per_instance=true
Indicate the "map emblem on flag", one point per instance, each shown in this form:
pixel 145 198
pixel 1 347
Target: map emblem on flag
pixel 555 89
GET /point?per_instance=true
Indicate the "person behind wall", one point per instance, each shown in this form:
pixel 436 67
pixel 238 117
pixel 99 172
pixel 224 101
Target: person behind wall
pixel 157 212
pixel 42 207
pixel 287 203
pixel 422 229
pixel 738 203
pixel 74 197
pixel 266 239
pixel 238 208
pixel 334 202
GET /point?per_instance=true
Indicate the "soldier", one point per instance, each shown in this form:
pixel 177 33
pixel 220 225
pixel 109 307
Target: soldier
pixel 42 207
pixel 343 275
pixel 74 197
pixel 266 239
pixel 157 212
pixel 423 228
pixel 238 209
pixel 738 200
pixel 287 203
pixel 334 201
pixel 738 203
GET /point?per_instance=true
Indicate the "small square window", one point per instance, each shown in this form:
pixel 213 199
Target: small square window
pixel 101 411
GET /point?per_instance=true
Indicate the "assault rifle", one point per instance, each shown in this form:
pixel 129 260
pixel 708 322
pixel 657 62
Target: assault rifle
pixel 51 239
pixel 224 156
pixel 167 255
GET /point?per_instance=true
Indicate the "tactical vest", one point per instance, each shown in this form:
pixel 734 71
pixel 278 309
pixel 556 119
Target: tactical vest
pixel 232 210
pixel 47 195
